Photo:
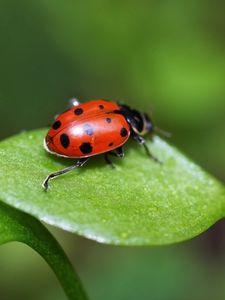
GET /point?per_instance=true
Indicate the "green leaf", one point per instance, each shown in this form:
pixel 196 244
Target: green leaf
pixel 138 203
pixel 18 226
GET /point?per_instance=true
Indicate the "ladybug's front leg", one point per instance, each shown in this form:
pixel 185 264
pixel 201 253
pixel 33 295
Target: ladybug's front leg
pixel 141 141
pixel 78 164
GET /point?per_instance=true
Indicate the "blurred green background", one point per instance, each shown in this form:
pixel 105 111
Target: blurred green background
pixel 165 57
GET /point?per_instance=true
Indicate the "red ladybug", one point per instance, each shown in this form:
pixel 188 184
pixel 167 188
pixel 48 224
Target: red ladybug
pixel 92 128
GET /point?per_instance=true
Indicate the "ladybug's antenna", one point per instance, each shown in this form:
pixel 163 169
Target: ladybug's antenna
pixel 162 132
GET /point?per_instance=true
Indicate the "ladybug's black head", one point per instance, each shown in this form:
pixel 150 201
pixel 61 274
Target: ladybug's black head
pixel 140 122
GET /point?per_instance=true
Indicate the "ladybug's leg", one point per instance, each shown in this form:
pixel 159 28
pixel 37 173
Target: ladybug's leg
pixel 78 164
pixel 118 153
pixel 108 161
pixel 142 142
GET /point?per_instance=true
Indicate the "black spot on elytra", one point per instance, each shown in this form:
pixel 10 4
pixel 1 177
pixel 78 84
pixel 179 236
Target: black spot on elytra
pixel 123 132
pixel 101 106
pixel 78 111
pixel 64 140
pixel 86 148
pixel 88 129
pixel 110 144
pixel 108 120
pixel 56 125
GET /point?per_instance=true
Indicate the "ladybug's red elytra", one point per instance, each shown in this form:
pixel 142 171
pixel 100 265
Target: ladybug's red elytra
pixel 92 128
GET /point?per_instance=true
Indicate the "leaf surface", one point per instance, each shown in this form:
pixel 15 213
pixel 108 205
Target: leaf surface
pixel 138 203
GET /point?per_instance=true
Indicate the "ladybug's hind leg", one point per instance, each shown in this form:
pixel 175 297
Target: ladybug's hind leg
pixel 78 164
pixel 141 141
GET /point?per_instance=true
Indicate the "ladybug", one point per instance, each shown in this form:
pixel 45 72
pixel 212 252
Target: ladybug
pixel 95 127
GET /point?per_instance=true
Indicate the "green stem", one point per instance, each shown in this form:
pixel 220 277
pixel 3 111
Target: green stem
pixel 54 255
pixel 18 226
